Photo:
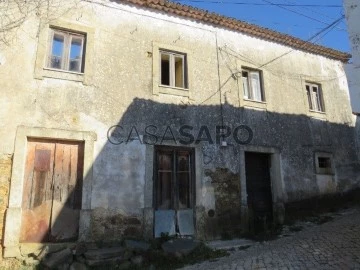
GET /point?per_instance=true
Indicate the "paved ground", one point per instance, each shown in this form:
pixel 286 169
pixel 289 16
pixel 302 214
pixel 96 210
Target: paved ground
pixel 332 245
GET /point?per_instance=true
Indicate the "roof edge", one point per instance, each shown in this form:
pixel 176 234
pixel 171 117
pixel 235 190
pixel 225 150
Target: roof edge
pixel 239 26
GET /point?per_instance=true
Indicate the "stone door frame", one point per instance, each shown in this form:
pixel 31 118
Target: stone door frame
pixel 277 184
pixel 13 213
pixel 148 214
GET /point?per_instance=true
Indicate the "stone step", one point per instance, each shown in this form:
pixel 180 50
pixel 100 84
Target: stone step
pixel 179 246
pixel 104 253
pixel 104 262
pixel 137 245
pixel 61 257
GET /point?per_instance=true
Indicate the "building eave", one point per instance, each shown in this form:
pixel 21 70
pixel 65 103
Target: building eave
pixel 218 20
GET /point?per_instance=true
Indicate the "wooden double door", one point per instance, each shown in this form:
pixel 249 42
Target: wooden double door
pixel 174 191
pixel 52 191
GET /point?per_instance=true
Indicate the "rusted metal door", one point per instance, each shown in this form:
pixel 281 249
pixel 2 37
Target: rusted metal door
pixel 258 187
pixel 52 191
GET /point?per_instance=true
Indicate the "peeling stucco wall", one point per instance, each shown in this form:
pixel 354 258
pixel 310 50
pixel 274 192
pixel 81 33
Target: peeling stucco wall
pixel 120 92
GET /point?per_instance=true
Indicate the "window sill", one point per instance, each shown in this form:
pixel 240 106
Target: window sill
pixel 329 174
pixel 254 104
pixel 62 74
pixel 183 92
pixel 321 112
pixel 64 71
pixel 317 114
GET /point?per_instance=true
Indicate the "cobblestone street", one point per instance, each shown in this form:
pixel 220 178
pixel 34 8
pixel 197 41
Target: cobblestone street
pixel 332 245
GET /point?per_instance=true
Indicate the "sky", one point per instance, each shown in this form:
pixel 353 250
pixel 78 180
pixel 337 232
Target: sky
pixel 300 21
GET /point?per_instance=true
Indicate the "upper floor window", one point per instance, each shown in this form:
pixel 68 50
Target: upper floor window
pixel 315 99
pixel 173 69
pixel 252 85
pixel 66 51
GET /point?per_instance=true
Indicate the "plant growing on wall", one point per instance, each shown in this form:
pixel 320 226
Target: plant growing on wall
pixel 14 13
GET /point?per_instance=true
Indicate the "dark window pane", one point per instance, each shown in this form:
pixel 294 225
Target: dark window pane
pixel 183 161
pixel 163 191
pixel 324 162
pixel 184 189
pixel 165 69
pixel 165 161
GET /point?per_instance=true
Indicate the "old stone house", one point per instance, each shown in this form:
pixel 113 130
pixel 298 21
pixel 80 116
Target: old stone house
pixel 140 117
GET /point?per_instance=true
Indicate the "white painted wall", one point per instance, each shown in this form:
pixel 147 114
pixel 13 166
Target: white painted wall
pixel 352 11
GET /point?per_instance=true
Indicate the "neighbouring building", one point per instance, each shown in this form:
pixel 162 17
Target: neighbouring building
pixel 352 12
pixel 140 117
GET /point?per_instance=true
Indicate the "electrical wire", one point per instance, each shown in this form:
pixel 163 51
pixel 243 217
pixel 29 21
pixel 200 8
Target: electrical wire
pixel 276 73
pixel 296 12
pixel 316 12
pixel 330 26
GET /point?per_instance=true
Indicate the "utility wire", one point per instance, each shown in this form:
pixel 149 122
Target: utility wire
pixel 268 3
pixel 329 27
pixel 294 11
pixel 316 12
pixel 311 10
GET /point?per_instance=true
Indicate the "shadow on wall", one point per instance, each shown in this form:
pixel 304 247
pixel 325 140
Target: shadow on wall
pixel 121 191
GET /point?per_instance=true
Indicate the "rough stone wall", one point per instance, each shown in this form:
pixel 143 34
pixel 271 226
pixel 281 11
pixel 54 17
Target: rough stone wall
pixel 110 225
pixel 224 220
pixel 5 175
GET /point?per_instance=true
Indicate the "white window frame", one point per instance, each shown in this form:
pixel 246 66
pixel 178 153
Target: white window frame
pixel 68 36
pixel 172 71
pixel 315 98
pixel 249 90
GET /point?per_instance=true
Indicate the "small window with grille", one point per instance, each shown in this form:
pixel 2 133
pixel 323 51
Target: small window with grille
pixel 324 163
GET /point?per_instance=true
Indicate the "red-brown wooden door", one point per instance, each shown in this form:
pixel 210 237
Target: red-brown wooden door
pixel 52 191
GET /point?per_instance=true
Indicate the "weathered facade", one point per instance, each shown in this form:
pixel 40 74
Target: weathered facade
pixel 352 11
pixel 138 117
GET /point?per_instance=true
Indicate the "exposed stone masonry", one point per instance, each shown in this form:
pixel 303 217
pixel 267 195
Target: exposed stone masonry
pixel 5 175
